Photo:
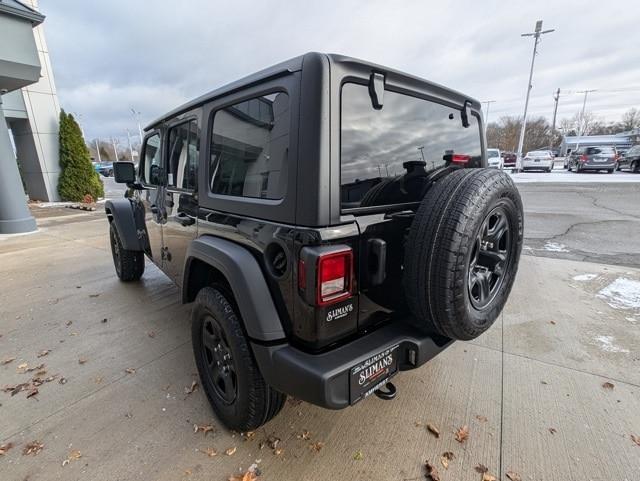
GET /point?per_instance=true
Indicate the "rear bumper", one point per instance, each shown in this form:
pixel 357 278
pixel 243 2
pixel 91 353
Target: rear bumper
pixel 323 379
pixel 597 165
pixel 543 164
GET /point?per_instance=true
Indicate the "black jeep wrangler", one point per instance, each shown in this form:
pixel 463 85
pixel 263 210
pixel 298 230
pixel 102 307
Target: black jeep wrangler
pixel 331 221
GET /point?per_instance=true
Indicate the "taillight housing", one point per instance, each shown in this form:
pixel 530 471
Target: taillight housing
pixel 583 158
pixel 335 273
pixel 325 274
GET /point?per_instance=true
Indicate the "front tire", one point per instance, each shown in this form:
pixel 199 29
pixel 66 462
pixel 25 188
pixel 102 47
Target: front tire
pixel 230 377
pixel 129 264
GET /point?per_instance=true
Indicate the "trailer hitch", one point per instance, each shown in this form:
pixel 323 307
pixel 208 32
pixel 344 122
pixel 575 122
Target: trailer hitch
pixel 389 392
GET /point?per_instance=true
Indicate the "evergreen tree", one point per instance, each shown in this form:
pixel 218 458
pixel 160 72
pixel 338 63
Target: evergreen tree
pixel 78 177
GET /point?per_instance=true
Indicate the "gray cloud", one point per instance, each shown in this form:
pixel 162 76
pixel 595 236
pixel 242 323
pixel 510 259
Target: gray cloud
pixel 110 56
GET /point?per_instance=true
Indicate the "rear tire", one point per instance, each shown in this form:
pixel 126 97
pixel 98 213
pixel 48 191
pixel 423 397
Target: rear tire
pixel 635 166
pixel 457 279
pixel 230 377
pixel 129 264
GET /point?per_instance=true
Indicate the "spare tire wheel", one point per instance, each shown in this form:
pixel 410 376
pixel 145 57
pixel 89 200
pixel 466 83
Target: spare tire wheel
pixel 462 252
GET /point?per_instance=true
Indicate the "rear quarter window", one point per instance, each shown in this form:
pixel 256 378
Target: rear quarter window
pixel 382 146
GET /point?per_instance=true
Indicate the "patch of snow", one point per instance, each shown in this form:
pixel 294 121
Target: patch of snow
pixel 631 319
pixel 555 247
pixel 585 277
pixel 622 293
pixel 606 344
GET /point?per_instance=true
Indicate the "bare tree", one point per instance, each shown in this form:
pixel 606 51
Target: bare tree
pixel 504 133
pixel 630 120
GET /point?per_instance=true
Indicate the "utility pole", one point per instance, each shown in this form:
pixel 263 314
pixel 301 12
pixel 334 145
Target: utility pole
pixel 130 147
pixel 486 117
pixel 581 121
pixel 98 149
pixel 536 35
pixel 115 150
pixel 556 98
pixel 421 149
pixel 136 114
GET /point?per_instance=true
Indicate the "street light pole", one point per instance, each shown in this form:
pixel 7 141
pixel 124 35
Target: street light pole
pixel 536 35
pixel 115 150
pixel 98 149
pixel 136 114
pixel 486 117
pixel 130 147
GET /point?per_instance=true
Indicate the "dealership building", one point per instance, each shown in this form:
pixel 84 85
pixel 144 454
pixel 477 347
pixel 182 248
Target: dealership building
pixel 29 116
pixel 623 140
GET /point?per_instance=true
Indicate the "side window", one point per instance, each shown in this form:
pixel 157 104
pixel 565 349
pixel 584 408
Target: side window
pixel 152 173
pixel 183 155
pixel 249 148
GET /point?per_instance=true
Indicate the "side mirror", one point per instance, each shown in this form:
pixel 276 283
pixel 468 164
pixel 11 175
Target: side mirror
pixel 124 172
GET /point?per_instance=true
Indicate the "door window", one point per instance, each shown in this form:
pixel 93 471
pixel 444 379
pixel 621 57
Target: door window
pixel 184 149
pixel 152 163
pixel 249 148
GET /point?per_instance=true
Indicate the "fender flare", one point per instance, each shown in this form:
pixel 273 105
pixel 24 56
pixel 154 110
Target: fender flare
pixel 129 220
pixel 246 280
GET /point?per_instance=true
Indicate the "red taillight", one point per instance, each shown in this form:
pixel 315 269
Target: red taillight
pixel 583 158
pixel 460 158
pixel 334 276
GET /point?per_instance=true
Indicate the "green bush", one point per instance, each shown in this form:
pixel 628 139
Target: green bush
pixel 78 177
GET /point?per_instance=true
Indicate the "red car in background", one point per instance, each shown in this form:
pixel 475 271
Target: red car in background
pixel 509 159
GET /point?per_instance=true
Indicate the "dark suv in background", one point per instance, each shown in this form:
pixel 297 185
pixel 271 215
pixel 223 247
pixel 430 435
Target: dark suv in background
pixel 593 158
pixel 331 221
pixel 631 159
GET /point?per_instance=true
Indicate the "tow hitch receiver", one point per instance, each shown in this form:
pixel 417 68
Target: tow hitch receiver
pixel 389 392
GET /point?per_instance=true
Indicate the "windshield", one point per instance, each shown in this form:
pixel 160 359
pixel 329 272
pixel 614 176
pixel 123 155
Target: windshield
pixel 492 153
pixel 408 134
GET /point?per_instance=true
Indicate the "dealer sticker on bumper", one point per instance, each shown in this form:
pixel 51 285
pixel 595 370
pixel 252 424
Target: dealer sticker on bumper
pixel 373 373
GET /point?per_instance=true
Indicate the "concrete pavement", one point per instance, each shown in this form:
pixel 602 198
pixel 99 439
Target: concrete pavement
pixel 539 368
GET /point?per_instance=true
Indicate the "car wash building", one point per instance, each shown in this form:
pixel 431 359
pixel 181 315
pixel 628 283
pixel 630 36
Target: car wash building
pixel 572 142
pixel 29 116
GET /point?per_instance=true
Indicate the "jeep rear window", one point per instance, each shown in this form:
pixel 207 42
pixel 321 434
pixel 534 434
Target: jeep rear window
pixel 376 143
pixel 249 148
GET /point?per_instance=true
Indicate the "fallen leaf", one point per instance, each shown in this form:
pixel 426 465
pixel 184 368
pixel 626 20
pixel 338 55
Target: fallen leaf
pixel 482 419
pixel 553 430
pixel 73 455
pixel 481 468
pixel 130 370
pixel 552 322
pixel 488 477
pixel 193 387
pixel 306 435
pixel 433 430
pixel 22 366
pixel 231 451
pixel 432 472
pixel 445 458
pixel 249 435
pixel 34 447
pixel 278 451
pixel 32 392
pixel 187 472
pixel 7 360
pixel 82 360
pixel 513 476
pixel 462 434
pixel 205 428
pixel 635 439
pixel 251 475
pixel 271 441
pixel 358 456
pixel 44 352
pixel 316 446
pixel 151 334
pixel 608 385
pixel 210 452
pixel 17 388
pixel 5 447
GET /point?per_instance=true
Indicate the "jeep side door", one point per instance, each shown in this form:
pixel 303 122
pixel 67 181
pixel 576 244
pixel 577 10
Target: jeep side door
pixel 152 179
pixel 181 201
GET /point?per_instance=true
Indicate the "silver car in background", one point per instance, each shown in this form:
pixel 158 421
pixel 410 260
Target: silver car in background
pixel 593 158
pixel 538 160
pixel 494 159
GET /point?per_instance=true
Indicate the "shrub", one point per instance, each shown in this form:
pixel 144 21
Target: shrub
pixel 78 177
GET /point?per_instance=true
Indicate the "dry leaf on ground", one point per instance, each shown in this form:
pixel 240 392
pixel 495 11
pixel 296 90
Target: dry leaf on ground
pixel 278 451
pixel 231 451
pixel 73 455
pixel 481 468
pixel 205 428
pixel 445 458
pixel 7 360
pixel 5 447
pixel 316 446
pixel 635 439
pixel 513 476
pixel 608 385
pixel 211 452
pixel 82 360
pixel 34 447
pixel 32 392
pixel 43 353
pixel 271 441
pixel 482 419
pixel 306 435
pixel 488 477
pixel 151 334
pixel 130 370
pixel 553 430
pixel 433 430
pixel 462 434
pixel 432 472
pixel 358 456
pixel 251 475
pixel 193 387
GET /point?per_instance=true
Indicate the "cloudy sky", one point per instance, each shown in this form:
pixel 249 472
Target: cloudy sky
pixel 111 56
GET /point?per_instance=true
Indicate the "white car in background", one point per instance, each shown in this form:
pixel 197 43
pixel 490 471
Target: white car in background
pixel 494 159
pixel 538 160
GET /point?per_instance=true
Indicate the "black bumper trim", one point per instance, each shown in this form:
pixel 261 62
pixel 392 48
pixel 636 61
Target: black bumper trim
pixel 323 379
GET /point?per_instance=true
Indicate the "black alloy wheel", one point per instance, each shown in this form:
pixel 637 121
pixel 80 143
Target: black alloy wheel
pixel 489 259
pixel 220 363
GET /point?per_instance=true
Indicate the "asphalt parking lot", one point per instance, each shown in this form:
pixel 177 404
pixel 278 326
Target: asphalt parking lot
pixel 532 391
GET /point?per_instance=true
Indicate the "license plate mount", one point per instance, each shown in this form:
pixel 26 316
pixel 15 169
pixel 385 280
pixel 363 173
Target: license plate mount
pixel 373 373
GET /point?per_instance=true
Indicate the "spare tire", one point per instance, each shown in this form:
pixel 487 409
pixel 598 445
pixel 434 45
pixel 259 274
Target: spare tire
pixel 462 252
